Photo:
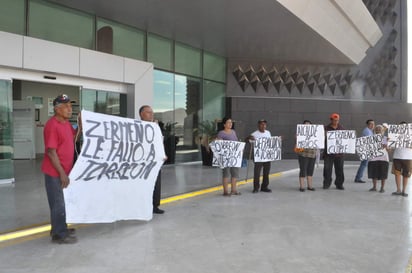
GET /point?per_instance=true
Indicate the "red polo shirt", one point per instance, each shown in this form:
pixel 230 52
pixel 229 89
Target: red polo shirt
pixel 60 136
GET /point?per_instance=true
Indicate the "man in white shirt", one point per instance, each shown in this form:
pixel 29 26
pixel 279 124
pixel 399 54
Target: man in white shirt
pixel 260 133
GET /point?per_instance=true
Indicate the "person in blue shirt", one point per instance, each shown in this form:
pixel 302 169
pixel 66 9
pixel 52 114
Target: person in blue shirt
pixel 367 131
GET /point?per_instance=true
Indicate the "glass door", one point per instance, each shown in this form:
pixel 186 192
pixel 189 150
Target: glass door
pixel 6 132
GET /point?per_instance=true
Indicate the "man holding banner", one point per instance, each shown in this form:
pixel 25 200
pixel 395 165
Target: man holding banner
pixel 146 114
pixel 261 133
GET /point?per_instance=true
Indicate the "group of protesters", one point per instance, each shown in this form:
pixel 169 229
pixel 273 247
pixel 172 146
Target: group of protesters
pixel 60 136
pixel 376 161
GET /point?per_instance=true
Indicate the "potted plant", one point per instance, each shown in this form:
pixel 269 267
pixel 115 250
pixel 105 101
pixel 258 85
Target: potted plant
pixel 207 133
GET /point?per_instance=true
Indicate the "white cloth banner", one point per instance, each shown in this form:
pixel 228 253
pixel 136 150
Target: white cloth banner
pixel 267 149
pixel 310 136
pixel 341 141
pixel 115 173
pixel 400 135
pixel 368 147
pixel 227 153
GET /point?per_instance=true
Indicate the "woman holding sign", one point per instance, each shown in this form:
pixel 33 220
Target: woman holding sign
pixel 378 166
pixel 307 159
pixel 229 134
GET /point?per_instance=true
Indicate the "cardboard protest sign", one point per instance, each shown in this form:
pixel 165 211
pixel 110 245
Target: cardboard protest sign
pixel 267 149
pixel 227 153
pixel 310 136
pixel 341 142
pixel 400 135
pixel 114 175
pixel 368 147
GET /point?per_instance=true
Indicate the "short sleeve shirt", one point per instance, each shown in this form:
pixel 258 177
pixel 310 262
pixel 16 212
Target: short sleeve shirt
pixel 259 134
pixel 60 136
pixel 231 136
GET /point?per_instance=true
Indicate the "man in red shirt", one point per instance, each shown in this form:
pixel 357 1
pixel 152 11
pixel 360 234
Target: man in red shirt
pixel 57 163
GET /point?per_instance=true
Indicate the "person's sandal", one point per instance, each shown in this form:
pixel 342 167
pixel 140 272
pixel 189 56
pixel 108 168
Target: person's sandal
pixel 226 194
pixel 235 193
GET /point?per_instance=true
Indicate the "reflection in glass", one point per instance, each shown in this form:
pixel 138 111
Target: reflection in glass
pixel 6 129
pixel 110 103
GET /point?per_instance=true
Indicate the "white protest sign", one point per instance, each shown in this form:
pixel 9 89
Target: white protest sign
pixel 310 136
pixel 267 149
pixel 368 147
pixel 341 142
pixel 400 135
pixel 114 175
pixel 227 153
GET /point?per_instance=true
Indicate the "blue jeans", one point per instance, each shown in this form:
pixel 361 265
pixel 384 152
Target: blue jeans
pixel 57 207
pixel 361 169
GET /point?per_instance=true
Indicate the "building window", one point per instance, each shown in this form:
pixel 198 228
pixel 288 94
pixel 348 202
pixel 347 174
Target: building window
pixel 214 67
pixel 213 100
pixel 12 16
pixel 104 102
pixel 188 60
pixel 160 52
pixel 60 24
pixel 127 41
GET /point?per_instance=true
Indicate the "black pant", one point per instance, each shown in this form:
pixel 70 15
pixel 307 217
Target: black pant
pixel 256 175
pixel 157 190
pixel 329 163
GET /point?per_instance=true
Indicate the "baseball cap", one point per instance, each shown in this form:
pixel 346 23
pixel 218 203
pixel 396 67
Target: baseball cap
pixel 262 121
pixel 62 98
pixel 334 116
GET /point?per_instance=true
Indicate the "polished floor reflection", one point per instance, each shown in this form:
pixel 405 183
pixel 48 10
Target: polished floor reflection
pixel 284 231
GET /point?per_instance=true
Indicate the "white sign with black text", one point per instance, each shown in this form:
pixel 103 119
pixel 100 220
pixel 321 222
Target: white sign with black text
pixel 115 173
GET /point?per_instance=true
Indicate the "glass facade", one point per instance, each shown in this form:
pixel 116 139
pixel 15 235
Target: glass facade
pixel 189 84
pixel 6 131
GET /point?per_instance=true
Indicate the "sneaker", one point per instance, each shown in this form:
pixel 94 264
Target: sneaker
pixel 372 189
pixel 64 240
